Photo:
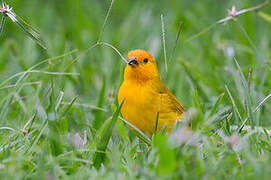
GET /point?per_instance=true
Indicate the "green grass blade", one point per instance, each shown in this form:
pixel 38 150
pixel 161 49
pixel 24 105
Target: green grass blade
pixel 104 137
pixel 97 122
pixel 69 107
pixel 139 133
pixel 156 122
pixel 247 94
pixel 194 81
pixel 257 51
pixel 163 129
pixel 35 142
pixel 217 103
pixel 205 30
pixel 265 16
pixel 234 104
pixel 21 75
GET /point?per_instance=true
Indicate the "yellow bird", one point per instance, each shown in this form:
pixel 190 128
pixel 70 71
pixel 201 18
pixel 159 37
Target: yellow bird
pixel 145 95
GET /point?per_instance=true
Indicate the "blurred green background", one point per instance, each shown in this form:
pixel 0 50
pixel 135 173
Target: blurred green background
pixel 197 74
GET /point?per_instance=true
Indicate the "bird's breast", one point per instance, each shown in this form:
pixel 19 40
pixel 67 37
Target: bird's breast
pixel 140 105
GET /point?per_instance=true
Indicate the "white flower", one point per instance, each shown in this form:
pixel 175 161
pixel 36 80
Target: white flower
pixel 232 12
pixel 6 10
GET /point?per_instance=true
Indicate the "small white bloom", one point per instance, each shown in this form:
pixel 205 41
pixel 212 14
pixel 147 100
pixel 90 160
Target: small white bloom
pixel 232 12
pixel 6 10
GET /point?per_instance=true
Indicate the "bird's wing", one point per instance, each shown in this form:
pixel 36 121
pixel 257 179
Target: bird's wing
pixel 169 101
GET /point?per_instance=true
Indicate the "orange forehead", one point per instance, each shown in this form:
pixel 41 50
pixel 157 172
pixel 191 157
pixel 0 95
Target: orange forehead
pixel 140 54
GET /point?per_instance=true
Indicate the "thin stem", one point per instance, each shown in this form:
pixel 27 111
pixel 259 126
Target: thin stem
pixel 176 41
pixel 205 30
pixel 258 53
pixel 105 20
pixel 2 23
pixel 115 49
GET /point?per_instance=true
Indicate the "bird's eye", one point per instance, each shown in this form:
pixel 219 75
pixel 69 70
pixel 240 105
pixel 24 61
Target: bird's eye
pixel 145 60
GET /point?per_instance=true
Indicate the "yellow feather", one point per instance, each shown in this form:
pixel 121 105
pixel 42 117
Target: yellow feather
pixel 145 95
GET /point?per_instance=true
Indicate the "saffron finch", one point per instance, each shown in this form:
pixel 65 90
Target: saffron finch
pixel 145 95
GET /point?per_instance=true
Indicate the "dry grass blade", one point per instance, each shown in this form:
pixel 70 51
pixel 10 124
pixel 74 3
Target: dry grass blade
pixel 2 23
pixel 31 32
pixel 176 41
pixel 263 101
pixel 164 41
pixel 255 110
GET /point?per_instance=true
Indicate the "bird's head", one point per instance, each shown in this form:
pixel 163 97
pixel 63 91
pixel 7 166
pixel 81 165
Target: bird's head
pixel 141 66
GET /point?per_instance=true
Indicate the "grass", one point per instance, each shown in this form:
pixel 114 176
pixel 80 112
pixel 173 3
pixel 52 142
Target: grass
pixel 59 111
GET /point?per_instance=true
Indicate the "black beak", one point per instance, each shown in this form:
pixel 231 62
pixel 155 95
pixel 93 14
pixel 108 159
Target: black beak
pixel 133 61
